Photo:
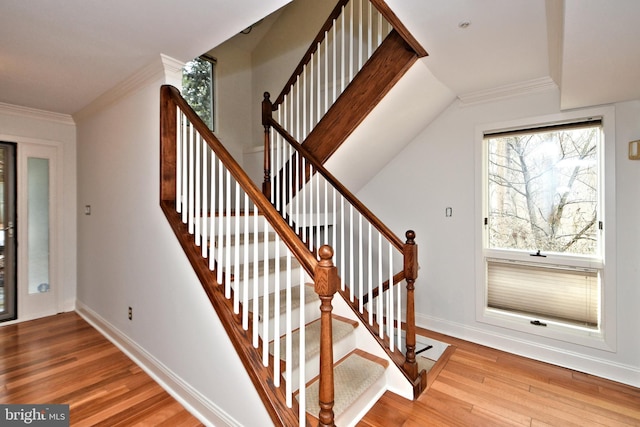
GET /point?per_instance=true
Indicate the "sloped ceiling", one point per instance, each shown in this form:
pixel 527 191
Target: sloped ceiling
pixel 59 56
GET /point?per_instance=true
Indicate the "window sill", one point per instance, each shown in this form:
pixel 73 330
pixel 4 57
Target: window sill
pixel 584 336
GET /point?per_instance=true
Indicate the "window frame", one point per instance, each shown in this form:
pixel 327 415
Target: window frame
pixel 604 337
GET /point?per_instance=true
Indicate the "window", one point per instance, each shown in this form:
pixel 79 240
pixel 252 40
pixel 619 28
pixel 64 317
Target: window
pixel 543 227
pixel 198 87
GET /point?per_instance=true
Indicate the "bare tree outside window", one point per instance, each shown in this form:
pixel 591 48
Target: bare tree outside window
pixel 543 191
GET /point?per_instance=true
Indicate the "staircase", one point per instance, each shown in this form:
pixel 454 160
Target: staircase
pixel 269 259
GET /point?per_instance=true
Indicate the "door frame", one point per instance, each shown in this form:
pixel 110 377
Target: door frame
pixel 10 251
pixel 54 151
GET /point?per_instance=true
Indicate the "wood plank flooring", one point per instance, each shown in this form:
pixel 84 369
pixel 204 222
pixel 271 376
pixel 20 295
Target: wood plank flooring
pixel 62 359
pixel 480 386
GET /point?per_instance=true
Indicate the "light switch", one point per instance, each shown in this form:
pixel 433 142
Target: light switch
pixel 634 150
pixel 87 210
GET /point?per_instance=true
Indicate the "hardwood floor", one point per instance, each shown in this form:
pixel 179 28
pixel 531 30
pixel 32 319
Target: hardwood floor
pixel 62 359
pixel 480 386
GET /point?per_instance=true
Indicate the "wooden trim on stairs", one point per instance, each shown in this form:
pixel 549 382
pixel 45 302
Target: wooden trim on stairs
pixel 379 74
pixel 395 22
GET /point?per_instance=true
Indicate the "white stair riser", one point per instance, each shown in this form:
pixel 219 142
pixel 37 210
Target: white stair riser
pixel 271 250
pixel 312 312
pixel 282 282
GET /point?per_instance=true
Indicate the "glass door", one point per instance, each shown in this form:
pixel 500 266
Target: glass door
pixel 37 209
pixel 8 282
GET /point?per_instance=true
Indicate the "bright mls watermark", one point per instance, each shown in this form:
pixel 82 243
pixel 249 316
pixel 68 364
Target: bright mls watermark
pixel 34 415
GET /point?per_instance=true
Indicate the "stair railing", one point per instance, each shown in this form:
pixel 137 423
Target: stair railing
pixel 213 207
pixel 371 260
pixel 345 42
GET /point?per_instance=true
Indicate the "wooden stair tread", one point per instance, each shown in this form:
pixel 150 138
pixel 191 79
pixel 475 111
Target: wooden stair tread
pixel 353 375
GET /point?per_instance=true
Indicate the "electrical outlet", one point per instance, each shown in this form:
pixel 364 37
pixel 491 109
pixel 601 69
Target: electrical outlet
pixel 130 313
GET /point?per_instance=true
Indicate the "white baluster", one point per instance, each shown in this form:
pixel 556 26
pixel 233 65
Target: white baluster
pixel 335 58
pixel 352 283
pixel 227 233
pixel 221 214
pixel 343 267
pixel 205 199
pixel 212 213
pixel 391 316
pixel 370 31
pixel 302 352
pixel 245 271
pixel 304 199
pixel 265 294
pixel 178 160
pixel 288 339
pixel 360 40
pixel 399 311
pixel 370 274
pixel 326 211
pixel 190 192
pixel 256 282
pixel 197 212
pixel 185 170
pixel 360 264
pixel 333 223
pixel 236 252
pixel 380 311
pixel 276 312
pixel 311 208
pixel 319 98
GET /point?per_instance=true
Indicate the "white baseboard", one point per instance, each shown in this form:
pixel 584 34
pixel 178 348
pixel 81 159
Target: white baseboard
pixel 556 356
pixel 199 406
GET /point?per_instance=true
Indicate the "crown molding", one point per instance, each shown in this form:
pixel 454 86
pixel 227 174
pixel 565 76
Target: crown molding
pixel 508 91
pixel 163 67
pixel 33 113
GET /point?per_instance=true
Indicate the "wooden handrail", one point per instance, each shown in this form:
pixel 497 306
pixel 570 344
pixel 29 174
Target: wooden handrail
pixel 375 221
pixel 397 25
pixel 289 237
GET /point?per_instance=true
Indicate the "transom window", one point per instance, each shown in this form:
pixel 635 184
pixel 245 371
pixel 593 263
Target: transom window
pixel 543 234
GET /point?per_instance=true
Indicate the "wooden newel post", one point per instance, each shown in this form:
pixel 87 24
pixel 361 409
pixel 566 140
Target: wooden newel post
pixel 326 284
pixel 267 109
pixel 411 273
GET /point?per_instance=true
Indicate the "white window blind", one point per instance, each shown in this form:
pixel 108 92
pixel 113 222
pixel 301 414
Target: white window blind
pixel 547 292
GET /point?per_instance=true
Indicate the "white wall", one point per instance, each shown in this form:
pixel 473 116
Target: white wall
pixel 234 98
pixel 129 257
pixel 438 170
pixel 26 126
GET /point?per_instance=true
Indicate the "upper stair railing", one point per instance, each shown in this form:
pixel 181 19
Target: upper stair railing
pixel 215 210
pixel 371 260
pixel 349 37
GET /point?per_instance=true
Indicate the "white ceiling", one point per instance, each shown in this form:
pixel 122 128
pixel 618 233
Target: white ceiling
pixel 59 56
